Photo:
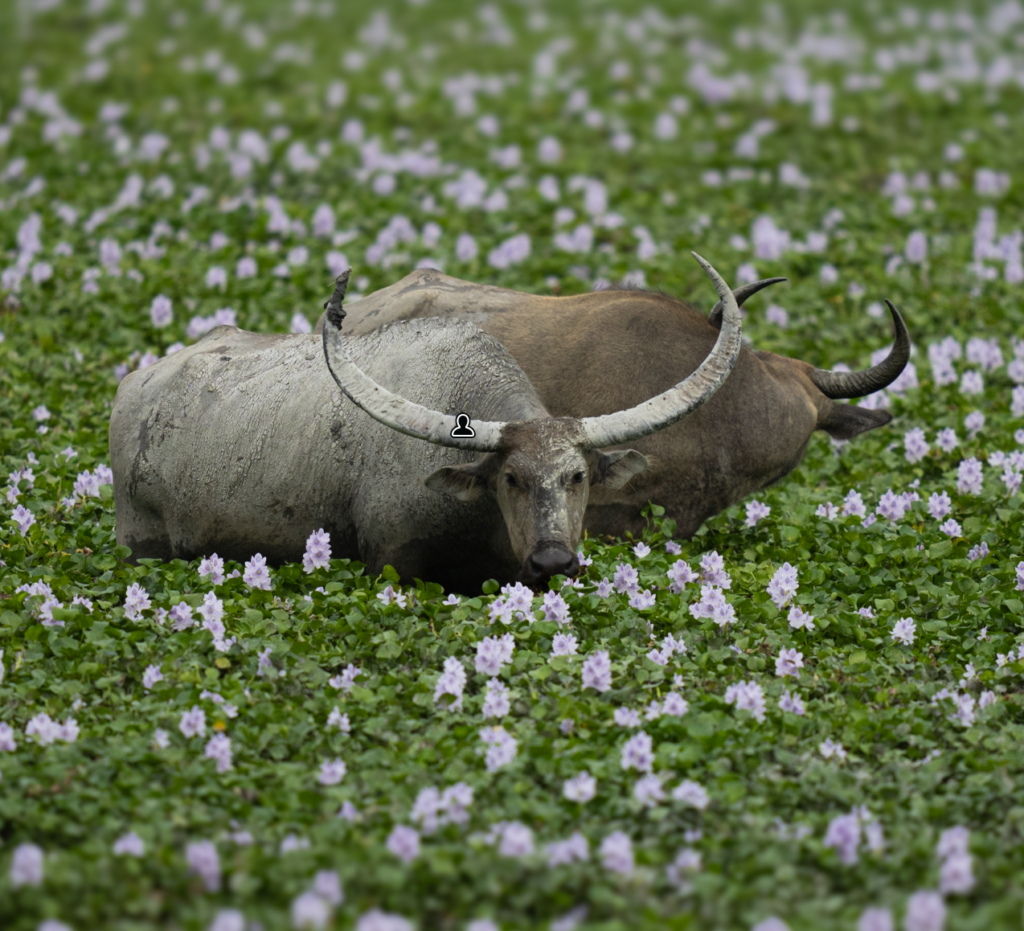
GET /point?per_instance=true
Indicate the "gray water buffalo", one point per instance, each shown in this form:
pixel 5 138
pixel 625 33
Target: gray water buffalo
pixel 242 443
pixel 590 354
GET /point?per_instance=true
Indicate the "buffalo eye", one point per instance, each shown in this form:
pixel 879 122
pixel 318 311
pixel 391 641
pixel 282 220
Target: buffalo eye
pixel 510 480
pixel 577 479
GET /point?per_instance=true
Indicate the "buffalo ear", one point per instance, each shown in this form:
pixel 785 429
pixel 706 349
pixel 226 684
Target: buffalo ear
pixel 462 482
pixel 616 468
pixel 845 421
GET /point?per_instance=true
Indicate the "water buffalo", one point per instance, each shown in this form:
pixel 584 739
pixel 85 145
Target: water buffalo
pixel 590 354
pixel 242 443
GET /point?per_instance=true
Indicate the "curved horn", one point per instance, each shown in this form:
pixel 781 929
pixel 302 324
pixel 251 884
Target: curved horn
pixel 742 294
pixel 390 409
pixel 688 395
pixel 857 384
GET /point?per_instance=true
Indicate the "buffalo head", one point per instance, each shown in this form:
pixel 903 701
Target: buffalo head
pixel 539 471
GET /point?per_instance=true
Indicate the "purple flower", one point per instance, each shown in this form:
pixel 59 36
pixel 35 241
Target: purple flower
pixel 712 604
pixel 756 511
pixel 829 748
pixel 564 645
pixel 748 696
pixel 641 550
pixel 1020 576
pixel 318 551
pixel 783 585
pixel 946 440
pixel 204 861
pixel 853 505
pixel 256 574
pixel 501 747
pixel 692 793
pixel 876 919
pixel 27 866
pixel 213 567
pixel 925 912
pixel 581 788
pixel 492 652
pixel 642 600
pixel 844 835
pixel 404 843
pixel 151 676
pixel 516 839
pixel 903 630
pixel 626 717
pixel 556 608
pixel 452 682
pixel 939 505
pixel 673 548
pixel 792 702
pixel 496 701
pixel 712 570
pixel 136 600
pixel 219 749
pixel 390 596
pixel 789 662
pixel 798 618
pixel 680 575
pixel 974 422
pixel 971 382
pixel 574 849
pixel 160 311
pixel 130 844
pixel 951 528
pixel 604 588
pixel 638 753
pixel 891 506
pixel 339 720
pixel 827 510
pixel 193 722
pixel 597 671
pixel 617 853
pixel 332 772
pixel 310 911
pixel 625 578
pixel 648 791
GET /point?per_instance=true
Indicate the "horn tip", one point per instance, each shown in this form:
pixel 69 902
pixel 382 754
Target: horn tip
pixel 335 312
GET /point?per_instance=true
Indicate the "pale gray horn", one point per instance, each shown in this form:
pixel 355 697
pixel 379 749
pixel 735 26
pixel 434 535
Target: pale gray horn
pixel 838 385
pixel 742 294
pixel 688 395
pixel 390 409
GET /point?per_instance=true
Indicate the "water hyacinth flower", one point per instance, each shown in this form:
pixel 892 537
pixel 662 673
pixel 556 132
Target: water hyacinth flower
pixel 129 844
pixel 332 772
pixel 680 575
pixel 638 753
pixel 581 788
pixel 501 747
pixel 404 843
pixel 136 600
pixel 712 604
pixel 853 505
pixel 27 866
pixel 161 311
pixel 791 702
pixel 204 861
pixel 256 574
pixel 798 618
pixel 829 749
pixel 318 552
pixel 564 645
pixel 493 652
pixel 626 578
pixel 748 696
pixel 617 853
pixel 915 445
pixel 692 793
pixel 339 720
pixel 783 585
pixel 574 849
pixel 789 662
pixel 452 682
pixel 219 750
pixel 712 570
pixel 939 505
pixel 497 702
pixel 756 511
pixel 7 742
pixel 389 597
pixel 597 671
pixel 212 567
pixel 515 839
pixel 926 911
pixel 903 630
pixel 151 676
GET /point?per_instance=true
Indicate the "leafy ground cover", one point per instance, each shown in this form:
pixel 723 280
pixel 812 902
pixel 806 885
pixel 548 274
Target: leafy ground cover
pixel 809 716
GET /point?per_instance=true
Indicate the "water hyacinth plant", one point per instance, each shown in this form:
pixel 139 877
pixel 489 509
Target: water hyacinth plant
pixel 808 716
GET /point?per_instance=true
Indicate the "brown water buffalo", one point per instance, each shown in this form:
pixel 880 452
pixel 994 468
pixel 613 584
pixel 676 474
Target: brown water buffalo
pixel 591 354
pixel 243 443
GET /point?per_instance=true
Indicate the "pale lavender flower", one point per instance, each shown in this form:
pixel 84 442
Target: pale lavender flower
pixel 789 662
pixel 160 311
pixel 829 748
pixel 160 739
pixel 452 682
pixel 389 596
pixel 978 552
pixel 516 840
pixel 204 861
pixel 853 505
pixel 497 702
pixel 130 844
pixel 680 575
pixel 673 549
pixel 891 506
pixel 181 614
pixel 642 550
pixel 748 696
pixel 925 912
pixel 783 585
pixel 939 505
pixel 947 440
pixel 327 885
pixel 792 703
pixel 556 608
pixel 256 574
pixel 493 652
pixel 687 861
pixel 876 919
pixel 404 843
pixel 712 604
pixel 376 920
pixel 903 630
pixel 844 835
pixel 956 875
pixel 756 511
pixel 213 567
pixel 193 722
pixel 564 645
pixel 692 793
pixel 7 743
pixel 136 600
pixel 339 720
pixel 675 705
pixel 712 570
pixel 604 588
pixel 151 676
pixel 219 749
pixel 626 717
pixel 915 445
pixel 617 853
pixel 346 679
pixel 649 791
pixel 951 528
pixel 501 747
pixel 310 911
pixel 798 618
pixel 332 772
pixel 642 600
pixel 27 866
pixel 974 422
pixel 597 671
pixel 971 382
pixel 827 510
pixel 572 850
pixel 581 788
pixel 626 578
pixel 638 753
pixel 318 551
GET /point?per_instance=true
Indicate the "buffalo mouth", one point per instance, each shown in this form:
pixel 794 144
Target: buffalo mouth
pixel 547 560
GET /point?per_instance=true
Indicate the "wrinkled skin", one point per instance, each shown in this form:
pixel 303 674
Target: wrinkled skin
pixel 243 443
pixel 595 353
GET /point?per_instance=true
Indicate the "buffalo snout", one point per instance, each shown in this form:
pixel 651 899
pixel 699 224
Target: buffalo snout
pixel 547 561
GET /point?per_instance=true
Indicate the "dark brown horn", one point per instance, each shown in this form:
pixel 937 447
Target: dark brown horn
pixel 742 294
pixel 858 384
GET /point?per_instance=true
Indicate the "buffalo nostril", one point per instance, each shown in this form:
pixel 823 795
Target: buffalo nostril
pixel 548 562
